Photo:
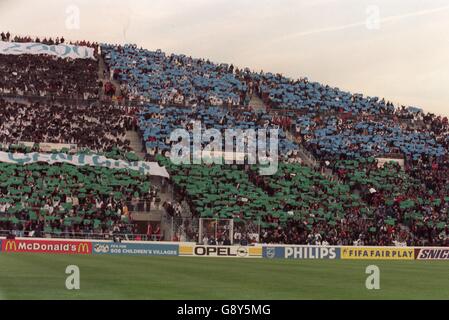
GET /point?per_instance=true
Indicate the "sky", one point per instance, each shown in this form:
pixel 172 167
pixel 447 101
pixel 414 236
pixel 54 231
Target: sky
pixel 397 49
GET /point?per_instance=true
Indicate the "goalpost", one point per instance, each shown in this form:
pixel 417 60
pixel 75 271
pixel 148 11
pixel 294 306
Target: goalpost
pixel 216 228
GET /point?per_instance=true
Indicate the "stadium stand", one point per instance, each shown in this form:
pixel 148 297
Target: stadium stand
pixel 283 93
pixel 359 137
pixel 401 199
pixel 331 124
pixel 157 123
pixel 43 75
pixel 153 76
pixel 218 191
pixel 100 128
pixel 52 101
pixel 310 204
pixel 70 201
pixel 344 195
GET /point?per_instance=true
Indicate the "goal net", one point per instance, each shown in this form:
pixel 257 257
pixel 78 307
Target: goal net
pixel 217 230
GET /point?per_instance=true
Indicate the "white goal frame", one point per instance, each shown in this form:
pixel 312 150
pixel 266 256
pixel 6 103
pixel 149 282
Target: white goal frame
pixel 204 225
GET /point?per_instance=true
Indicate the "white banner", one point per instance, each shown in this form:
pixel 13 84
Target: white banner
pixel 61 50
pixel 151 168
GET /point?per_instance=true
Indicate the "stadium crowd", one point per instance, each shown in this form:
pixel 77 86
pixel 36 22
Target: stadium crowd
pixel 100 128
pixel 366 205
pixel 153 76
pixel 298 205
pixel 157 123
pixel 348 198
pixel 363 136
pixel 280 92
pixel 7 37
pixel 64 199
pixel 46 76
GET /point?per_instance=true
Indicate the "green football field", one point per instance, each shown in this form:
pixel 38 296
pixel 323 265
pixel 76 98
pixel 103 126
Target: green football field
pixel 39 276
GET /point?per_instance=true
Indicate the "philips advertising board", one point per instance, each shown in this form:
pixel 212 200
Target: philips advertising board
pixel 300 252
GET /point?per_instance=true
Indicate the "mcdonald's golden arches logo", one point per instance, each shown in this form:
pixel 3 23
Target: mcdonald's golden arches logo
pixel 83 248
pixel 9 245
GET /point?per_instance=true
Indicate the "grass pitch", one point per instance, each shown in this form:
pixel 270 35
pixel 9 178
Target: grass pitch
pixel 39 276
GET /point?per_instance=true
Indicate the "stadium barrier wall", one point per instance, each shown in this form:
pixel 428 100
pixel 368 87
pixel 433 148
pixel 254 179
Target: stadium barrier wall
pixel 59 246
pixel 301 252
pixel 377 253
pixel 437 253
pixel 354 253
pixel 143 249
pixel 187 249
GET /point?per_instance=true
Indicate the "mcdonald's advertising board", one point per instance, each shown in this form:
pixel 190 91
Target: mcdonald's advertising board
pixel 46 246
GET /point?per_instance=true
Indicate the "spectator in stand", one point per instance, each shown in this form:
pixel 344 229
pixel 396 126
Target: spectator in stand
pixel 99 128
pixel 47 76
pixel 175 79
pixel 157 123
pixel 68 200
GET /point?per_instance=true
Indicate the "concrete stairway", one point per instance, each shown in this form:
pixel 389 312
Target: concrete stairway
pixel 101 68
pixel 257 104
pixel 136 143
pixel 101 75
pixel 105 77
pixel 307 158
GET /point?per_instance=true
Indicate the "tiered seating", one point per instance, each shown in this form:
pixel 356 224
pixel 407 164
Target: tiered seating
pixel 97 128
pixel 68 199
pixel 361 204
pixel 312 205
pixel 50 200
pixel 358 138
pixel 158 123
pixel 291 206
pixel 400 199
pixel 333 123
pixel 47 76
pixel 219 191
pixel 6 36
pixel 175 79
pixel 284 93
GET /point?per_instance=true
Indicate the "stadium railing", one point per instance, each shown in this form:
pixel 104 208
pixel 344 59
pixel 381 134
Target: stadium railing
pixel 86 236
pixel 50 97
pixel 138 206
